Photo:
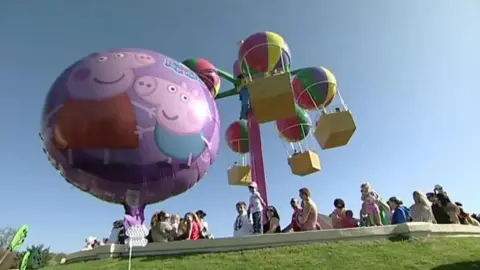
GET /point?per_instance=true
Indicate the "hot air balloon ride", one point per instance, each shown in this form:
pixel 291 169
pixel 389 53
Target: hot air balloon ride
pixel 100 130
pixel 303 160
pixel 238 141
pixel 264 60
pixel 207 72
pixel 315 88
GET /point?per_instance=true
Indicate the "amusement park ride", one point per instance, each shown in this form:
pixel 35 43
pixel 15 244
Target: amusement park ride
pixel 270 92
pixel 135 127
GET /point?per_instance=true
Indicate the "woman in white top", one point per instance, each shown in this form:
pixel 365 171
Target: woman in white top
pixel 421 210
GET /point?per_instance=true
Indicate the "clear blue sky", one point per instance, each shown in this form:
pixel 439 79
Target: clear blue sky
pixel 407 69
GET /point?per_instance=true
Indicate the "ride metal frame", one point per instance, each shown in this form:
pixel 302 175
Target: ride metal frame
pixel 256 153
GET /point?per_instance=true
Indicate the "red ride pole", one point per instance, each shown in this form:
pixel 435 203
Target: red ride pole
pixel 256 156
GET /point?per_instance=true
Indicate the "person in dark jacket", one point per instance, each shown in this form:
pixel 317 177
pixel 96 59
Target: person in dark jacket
pixel 441 216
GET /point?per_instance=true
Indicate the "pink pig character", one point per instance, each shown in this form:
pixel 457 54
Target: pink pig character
pixel 180 114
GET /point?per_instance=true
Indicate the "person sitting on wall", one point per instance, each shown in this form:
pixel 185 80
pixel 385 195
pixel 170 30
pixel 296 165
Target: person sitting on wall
pixel 449 207
pixel 161 228
pixel 349 221
pixel 201 218
pixel 182 232
pixel 294 225
pixel 464 217
pixel 91 243
pixel 338 214
pixel 441 216
pixel 273 221
pixel 243 224
pixel 175 222
pixel 401 214
pixel 115 233
pixel 421 210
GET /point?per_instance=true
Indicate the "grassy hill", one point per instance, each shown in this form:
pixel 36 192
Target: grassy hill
pixel 427 254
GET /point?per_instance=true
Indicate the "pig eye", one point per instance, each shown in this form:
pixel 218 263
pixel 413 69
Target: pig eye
pixel 172 88
pixel 119 55
pixel 102 59
pixel 184 98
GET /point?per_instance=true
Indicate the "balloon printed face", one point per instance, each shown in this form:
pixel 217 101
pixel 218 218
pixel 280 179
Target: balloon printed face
pixel 177 108
pixel 106 75
pixel 130 120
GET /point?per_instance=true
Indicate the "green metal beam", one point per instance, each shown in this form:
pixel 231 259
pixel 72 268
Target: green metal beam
pixel 228 93
pixel 227 76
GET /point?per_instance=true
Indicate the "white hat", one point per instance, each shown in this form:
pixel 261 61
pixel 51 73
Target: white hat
pixel 253 185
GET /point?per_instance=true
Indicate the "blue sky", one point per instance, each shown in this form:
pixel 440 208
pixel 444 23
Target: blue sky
pixel 407 69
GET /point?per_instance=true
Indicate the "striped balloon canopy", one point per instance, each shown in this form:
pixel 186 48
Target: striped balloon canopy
pixel 296 128
pixel 314 87
pixel 237 137
pixel 207 72
pixel 263 52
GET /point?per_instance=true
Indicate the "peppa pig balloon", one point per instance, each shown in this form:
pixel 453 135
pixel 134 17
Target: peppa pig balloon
pixel 130 126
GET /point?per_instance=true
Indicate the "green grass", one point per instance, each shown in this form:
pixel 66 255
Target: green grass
pixel 435 254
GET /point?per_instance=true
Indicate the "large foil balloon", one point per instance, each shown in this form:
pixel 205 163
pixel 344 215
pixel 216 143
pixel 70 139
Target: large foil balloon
pixel 237 137
pixel 295 129
pixel 207 73
pixel 314 87
pixel 130 123
pixel 263 52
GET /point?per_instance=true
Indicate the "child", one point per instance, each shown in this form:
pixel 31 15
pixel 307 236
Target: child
pixel 174 222
pixel 370 207
pixel 255 208
pixel 338 214
pixel 349 221
pixel 243 224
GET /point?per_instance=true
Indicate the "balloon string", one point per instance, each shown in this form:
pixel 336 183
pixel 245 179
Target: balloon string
pixel 300 147
pixel 341 99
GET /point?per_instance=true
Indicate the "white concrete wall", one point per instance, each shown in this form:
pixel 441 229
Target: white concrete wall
pixel 414 229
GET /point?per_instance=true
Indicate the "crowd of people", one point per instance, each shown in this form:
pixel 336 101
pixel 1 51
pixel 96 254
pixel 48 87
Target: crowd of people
pixel 433 207
pixel 255 217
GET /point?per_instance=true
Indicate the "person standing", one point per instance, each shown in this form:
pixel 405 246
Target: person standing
pixel 308 222
pixel 255 208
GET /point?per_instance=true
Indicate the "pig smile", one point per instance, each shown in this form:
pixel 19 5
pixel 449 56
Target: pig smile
pixel 109 82
pixel 171 118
